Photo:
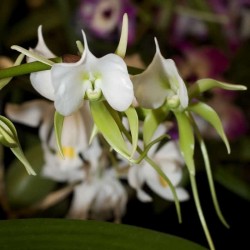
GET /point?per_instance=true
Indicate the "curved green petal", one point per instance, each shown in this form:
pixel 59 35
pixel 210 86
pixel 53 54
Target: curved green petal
pixel 203 85
pixel 109 128
pixel 186 140
pixel 209 114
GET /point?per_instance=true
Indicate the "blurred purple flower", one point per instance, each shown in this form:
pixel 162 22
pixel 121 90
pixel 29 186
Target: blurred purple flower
pixel 103 18
pixel 238 14
pixel 201 62
pixel 233 16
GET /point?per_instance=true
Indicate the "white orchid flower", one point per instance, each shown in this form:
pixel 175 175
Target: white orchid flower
pixel 68 84
pixel 169 159
pixel 160 82
pixel 100 197
pixel 75 136
pixel 91 78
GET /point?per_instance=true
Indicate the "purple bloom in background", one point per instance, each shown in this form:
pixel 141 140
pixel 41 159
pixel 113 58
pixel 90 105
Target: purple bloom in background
pixel 201 62
pixel 238 19
pixel 103 18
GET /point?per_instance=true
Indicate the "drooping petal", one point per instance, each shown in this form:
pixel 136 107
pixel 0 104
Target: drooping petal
pixel 84 195
pixel 116 85
pixel 41 82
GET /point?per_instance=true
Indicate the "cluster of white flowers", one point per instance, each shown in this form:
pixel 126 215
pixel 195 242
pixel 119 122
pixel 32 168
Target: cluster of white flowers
pixel 100 193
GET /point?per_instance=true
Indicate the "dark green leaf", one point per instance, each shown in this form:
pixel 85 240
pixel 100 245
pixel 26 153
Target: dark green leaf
pixel 92 235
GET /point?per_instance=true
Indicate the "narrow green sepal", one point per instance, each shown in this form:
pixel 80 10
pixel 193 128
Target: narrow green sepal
pixel 108 127
pixel 186 140
pixel 93 134
pixel 209 115
pixel 152 120
pixel 209 173
pixel 58 126
pixel 122 46
pixel 134 127
pixel 33 55
pixel 17 151
pixel 203 85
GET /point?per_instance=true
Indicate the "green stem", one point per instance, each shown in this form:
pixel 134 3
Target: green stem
pixel 23 69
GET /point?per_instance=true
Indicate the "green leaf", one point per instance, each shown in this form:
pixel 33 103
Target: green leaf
pixel 4 82
pixel 107 125
pixel 24 190
pixel 134 127
pixel 58 126
pixel 209 114
pixel 92 235
pixel 152 120
pixel 203 85
pixel 186 140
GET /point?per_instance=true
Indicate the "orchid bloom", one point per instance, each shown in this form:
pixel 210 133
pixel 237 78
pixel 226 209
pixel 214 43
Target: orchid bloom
pixel 101 197
pixel 160 82
pixel 75 136
pixel 169 159
pixel 68 84
pixel 89 78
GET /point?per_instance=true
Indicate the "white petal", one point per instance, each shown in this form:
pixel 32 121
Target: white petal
pixel 84 195
pixel 159 81
pixel 67 80
pixel 41 48
pixel 135 178
pixel 169 152
pixel 41 82
pixel 143 196
pixel 29 113
pixel 116 85
pixel 150 91
pixel 176 82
